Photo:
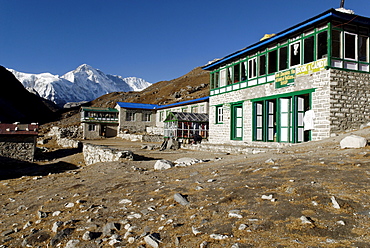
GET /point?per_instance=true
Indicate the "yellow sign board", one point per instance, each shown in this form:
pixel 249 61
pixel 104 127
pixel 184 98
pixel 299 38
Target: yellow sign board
pixel 285 78
pixel 312 67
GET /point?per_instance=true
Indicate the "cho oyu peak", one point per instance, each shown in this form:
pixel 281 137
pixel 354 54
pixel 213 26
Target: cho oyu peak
pixel 85 83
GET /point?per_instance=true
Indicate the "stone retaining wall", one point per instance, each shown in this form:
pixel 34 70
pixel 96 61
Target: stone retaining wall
pixel 96 154
pixel 21 148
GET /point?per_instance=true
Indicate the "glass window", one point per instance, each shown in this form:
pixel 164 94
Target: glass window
pixel 130 116
pixel 243 71
pixel 308 48
pixel 363 46
pixel 229 75
pixel 146 117
pixel 272 64
pixel 92 127
pixel 222 77
pixel 336 48
pixel 283 58
pixel 252 68
pixel 322 45
pixel 219 114
pixel 262 65
pixel 350 46
pixel 236 72
pixel 295 54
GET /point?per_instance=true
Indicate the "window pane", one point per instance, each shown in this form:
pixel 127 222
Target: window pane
pixel 322 45
pixel 336 46
pixel 222 77
pixel 243 71
pixel 262 65
pixel 362 48
pixel 308 49
pixel 236 73
pixel 229 75
pixel 295 54
pixel 283 58
pixel 349 46
pixel 252 68
pixel 272 61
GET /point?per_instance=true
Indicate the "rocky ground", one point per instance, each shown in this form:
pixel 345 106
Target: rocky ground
pixel 307 195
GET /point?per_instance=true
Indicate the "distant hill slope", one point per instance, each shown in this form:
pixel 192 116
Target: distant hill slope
pixel 192 85
pixel 85 83
pixel 19 105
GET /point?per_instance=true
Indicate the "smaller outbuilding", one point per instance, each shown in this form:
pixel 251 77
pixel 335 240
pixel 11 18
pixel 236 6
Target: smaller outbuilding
pixel 99 122
pixel 18 141
pixel 186 127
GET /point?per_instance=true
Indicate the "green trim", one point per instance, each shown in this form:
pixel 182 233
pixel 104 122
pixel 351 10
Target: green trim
pixel 347 70
pixel 294 93
pixel 233 124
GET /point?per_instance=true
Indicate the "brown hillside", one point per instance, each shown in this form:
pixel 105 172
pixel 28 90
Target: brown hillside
pixel 192 85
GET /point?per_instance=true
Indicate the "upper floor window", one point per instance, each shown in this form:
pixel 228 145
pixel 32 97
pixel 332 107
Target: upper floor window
pixel 252 65
pixel 283 58
pixel 236 73
pixel 272 61
pixel 262 65
pixel 350 46
pixel 295 53
pixel 322 45
pixel 309 47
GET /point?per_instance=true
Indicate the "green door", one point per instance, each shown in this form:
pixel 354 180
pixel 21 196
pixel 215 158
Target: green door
pixel 237 122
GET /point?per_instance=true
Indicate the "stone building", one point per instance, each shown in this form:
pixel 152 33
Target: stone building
pixel 18 141
pixel 141 117
pixel 99 122
pixel 304 83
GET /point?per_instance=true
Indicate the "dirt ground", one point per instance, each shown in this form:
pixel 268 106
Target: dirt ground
pixel 285 198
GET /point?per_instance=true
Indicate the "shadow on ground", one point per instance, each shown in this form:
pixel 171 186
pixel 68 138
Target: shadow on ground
pixel 13 168
pixel 60 153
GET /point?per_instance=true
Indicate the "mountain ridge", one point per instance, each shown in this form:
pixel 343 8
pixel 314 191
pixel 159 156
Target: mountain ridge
pixel 85 83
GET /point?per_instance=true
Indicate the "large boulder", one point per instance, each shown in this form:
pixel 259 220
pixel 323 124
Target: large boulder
pixel 353 141
pixel 163 164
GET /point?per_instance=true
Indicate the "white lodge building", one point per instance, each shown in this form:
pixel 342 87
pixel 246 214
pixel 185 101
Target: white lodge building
pixel 262 93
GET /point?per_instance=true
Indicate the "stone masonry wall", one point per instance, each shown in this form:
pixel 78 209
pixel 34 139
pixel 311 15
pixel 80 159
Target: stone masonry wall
pixel 220 133
pixel 349 100
pixel 20 148
pixel 96 154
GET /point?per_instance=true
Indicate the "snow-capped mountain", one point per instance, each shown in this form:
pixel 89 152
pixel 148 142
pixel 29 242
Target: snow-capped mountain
pixel 83 84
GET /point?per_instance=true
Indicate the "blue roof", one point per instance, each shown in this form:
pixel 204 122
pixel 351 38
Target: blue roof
pixel 132 105
pixel 183 103
pixel 327 14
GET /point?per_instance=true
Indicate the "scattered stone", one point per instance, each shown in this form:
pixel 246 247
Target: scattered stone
pixel 270 161
pixel 334 202
pixel 180 199
pixel 88 236
pixel 341 222
pixel 63 234
pixel 110 228
pixel 125 201
pixel 69 205
pixel 204 244
pixel 152 240
pixel 56 225
pixel 218 236
pixel 195 231
pixel 187 161
pixel 305 220
pixel 243 227
pixel 235 214
pixel 35 239
pixel 7 232
pixel 41 214
pixel 72 243
pixel 56 213
pixel 163 164
pixel 28 224
pixel 353 141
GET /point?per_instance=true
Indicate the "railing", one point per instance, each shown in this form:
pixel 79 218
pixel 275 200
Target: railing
pixel 102 119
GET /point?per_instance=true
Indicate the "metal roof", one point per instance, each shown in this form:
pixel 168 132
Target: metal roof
pixel 132 105
pixel 98 109
pixel 202 99
pixel 18 129
pixel 184 116
pixel 331 13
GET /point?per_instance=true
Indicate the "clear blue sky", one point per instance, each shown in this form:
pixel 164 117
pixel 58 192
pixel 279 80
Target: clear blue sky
pixel 152 39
